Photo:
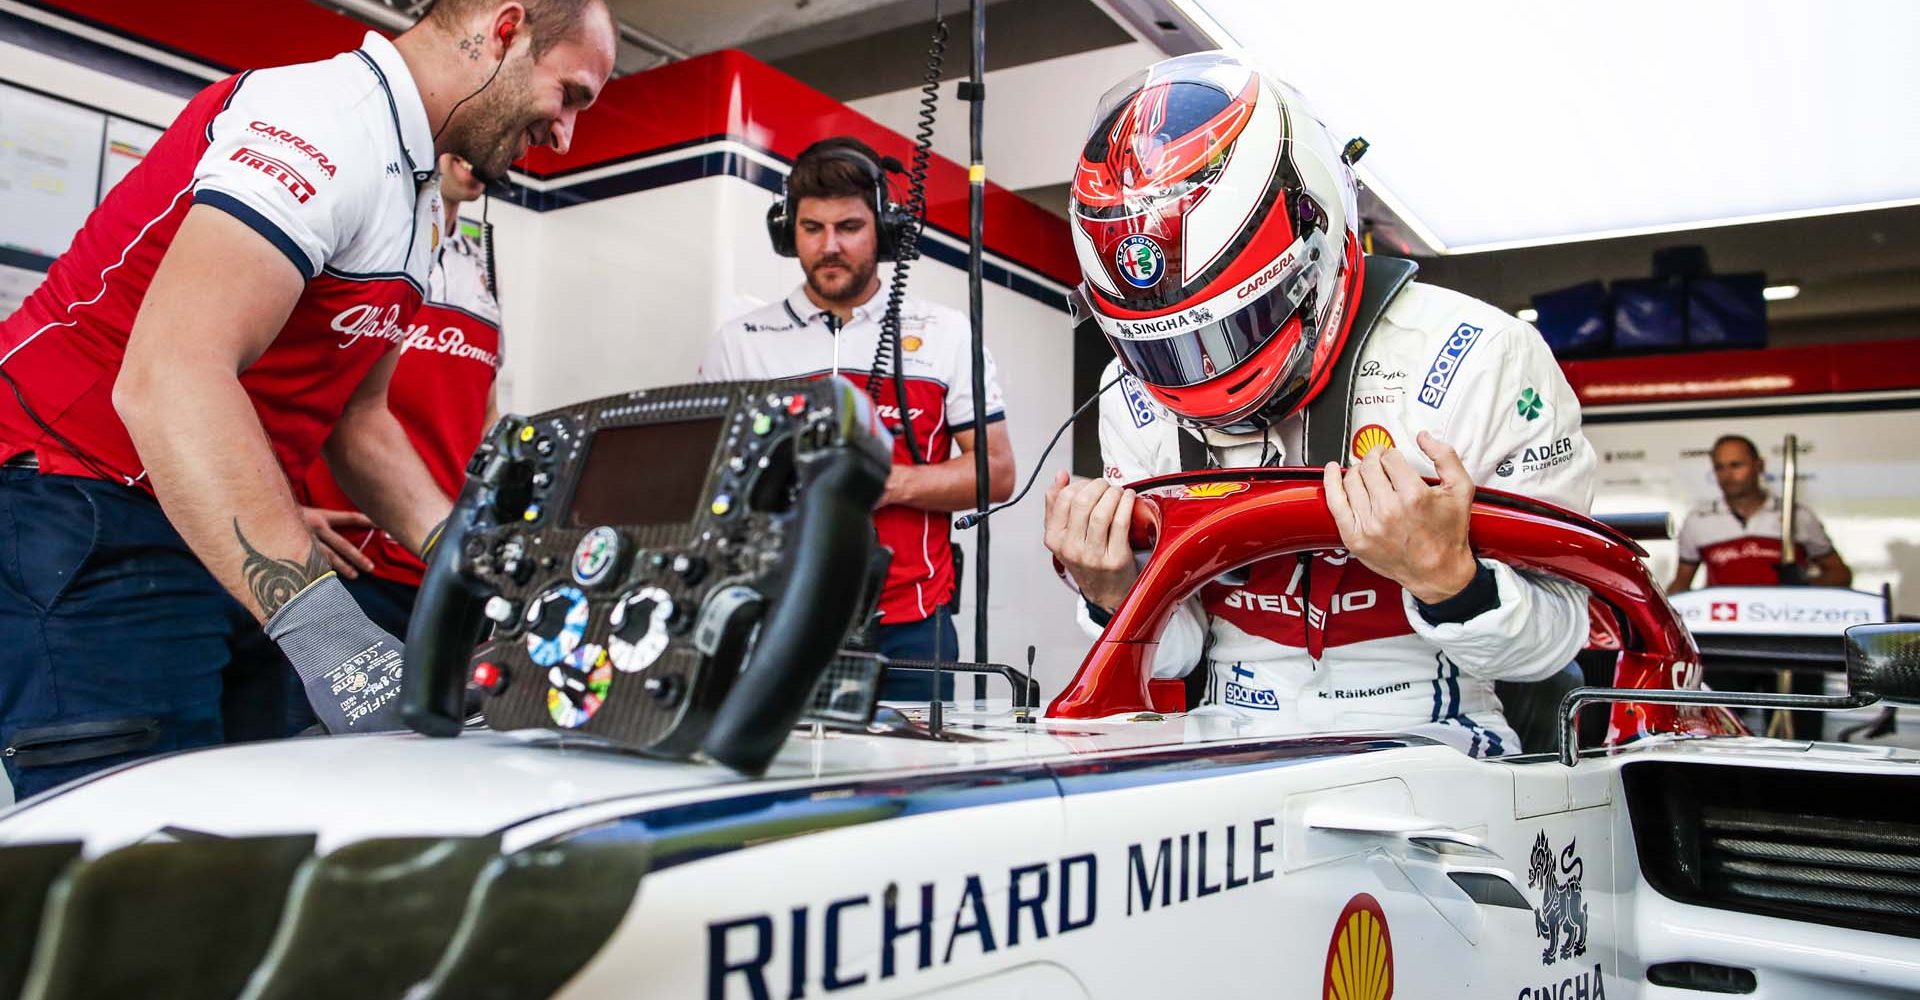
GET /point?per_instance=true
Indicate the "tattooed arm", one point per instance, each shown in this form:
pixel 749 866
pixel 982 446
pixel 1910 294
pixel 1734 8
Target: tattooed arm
pixel 273 582
pixel 216 302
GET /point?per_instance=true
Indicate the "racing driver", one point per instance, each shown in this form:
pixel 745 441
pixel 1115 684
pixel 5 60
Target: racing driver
pixel 1216 227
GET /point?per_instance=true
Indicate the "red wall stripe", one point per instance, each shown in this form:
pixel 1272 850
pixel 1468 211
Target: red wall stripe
pixel 725 93
pixel 227 34
pixel 732 94
pixel 1866 366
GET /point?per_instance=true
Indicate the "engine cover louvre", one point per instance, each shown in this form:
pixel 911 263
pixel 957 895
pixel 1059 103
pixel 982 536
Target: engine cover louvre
pixel 1837 849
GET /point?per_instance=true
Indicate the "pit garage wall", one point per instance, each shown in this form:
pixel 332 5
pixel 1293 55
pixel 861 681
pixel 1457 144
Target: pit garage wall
pixel 617 262
pixel 1854 408
pixel 651 232
pixel 625 292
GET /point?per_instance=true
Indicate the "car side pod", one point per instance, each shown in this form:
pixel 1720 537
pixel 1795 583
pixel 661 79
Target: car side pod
pixel 1883 666
pixel 1202 524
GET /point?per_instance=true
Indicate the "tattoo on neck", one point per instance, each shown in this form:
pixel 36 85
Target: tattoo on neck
pixel 473 46
pixel 273 582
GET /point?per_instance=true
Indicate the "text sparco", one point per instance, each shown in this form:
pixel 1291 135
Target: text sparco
pixel 1447 363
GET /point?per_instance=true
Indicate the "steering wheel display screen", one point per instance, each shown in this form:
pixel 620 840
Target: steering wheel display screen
pixel 648 474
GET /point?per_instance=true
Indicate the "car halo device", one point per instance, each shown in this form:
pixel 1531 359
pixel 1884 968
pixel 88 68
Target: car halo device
pixel 664 570
pixel 1199 525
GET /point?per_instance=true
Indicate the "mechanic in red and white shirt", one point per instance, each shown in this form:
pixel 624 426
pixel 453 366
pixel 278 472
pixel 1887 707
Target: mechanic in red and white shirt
pixel 1737 537
pixel 1216 227
pixel 442 394
pixel 836 217
pixel 231 306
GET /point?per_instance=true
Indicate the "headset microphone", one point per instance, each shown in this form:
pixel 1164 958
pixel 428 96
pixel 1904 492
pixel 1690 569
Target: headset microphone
pixel 965 521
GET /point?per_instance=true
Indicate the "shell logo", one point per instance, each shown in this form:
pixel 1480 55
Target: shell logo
pixel 1370 437
pixel 1360 955
pixel 1214 491
pixel 1199 491
pixel 910 343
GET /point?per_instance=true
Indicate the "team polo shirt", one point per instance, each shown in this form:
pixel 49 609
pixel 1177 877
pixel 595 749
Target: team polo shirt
pixel 791 339
pixel 1745 553
pixel 332 163
pixel 439 392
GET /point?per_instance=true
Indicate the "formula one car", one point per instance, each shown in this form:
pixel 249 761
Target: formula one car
pixel 1114 846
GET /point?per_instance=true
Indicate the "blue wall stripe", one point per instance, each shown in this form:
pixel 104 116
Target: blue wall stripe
pixel 731 163
pixel 126 66
pixel 22 259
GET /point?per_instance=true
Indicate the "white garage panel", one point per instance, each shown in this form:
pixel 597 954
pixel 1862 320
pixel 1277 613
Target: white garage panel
pixel 49 170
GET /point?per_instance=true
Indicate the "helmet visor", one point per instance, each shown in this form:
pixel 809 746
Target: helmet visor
pixel 1190 347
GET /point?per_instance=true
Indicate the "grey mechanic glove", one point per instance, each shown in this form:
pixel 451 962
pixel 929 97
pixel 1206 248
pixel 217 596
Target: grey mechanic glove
pixel 349 666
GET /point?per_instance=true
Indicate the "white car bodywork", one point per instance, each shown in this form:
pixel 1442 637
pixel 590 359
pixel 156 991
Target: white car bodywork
pixel 1145 857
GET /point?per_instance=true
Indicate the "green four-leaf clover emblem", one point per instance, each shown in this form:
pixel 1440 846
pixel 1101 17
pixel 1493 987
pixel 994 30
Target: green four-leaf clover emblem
pixel 1530 404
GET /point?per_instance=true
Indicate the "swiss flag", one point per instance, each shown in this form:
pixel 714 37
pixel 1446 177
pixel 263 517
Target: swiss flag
pixel 1725 611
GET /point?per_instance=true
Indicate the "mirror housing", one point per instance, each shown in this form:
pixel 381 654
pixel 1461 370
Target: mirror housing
pixel 1883 661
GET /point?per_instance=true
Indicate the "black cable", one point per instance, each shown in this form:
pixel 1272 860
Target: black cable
pixel 94 465
pixel 486 247
pixel 887 350
pixel 965 521
pixel 448 120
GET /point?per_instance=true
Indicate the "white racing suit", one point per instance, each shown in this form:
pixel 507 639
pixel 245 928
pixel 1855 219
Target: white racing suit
pixel 1320 643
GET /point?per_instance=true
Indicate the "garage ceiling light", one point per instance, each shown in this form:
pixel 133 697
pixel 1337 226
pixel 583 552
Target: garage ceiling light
pixel 1779 293
pixel 1505 123
pixel 1527 315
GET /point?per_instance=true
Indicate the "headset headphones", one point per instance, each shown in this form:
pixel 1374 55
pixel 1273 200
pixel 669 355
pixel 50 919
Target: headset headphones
pixel 892 224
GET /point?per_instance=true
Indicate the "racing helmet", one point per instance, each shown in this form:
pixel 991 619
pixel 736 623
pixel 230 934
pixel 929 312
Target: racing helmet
pixel 1218 238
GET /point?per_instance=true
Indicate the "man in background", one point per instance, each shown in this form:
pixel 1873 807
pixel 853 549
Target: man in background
pixel 1738 535
pixel 443 396
pixel 1738 538
pixel 832 220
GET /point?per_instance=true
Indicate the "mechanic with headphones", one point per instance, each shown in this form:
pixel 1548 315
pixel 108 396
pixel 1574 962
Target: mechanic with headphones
pixel 838 219
pixel 1218 233
pixel 233 305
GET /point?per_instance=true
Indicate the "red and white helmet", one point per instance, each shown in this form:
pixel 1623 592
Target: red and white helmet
pixel 1217 232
